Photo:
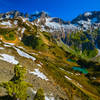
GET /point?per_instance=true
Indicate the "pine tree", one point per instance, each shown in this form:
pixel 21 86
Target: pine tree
pixel 39 95
pixel 17 87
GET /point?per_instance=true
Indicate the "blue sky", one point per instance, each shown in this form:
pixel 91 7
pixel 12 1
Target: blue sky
pixel 65 9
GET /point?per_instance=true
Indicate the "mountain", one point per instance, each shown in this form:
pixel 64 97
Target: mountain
pixel 60 57
pixel 88 20
pixel 81 34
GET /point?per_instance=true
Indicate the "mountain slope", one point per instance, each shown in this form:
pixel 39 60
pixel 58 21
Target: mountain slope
pixel 49 56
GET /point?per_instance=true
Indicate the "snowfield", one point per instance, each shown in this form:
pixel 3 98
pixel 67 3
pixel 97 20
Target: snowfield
pixel 52 24
pixel 8 58
pixel 23 54
pixel 57 26
pixel 39 74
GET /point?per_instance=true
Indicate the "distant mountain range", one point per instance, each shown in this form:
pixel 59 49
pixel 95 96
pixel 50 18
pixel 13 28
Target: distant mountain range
pixel 83 21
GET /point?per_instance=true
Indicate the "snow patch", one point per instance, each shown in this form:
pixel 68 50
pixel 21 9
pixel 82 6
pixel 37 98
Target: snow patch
pixel 8 58
pixel 39 74
pixel 7 16
pixel 68 78
pixel 25 19
pixel 77 74
pixel 62 69
pixel 6 23
pixel 23 29
pixel 46 97
pixel 32 23
pixel 84 22
pixel 79 85
pixel 21 47
pixel 6 45
pixel 1 18
pixel 69 72
pixel 66 71
pixel 23 54
pixel 33 91
pixel 88 14
pixel 20 38
pixel 1 48
pixel 19 29
pixel 34 54
pixel 98 52
pixel 12 44
pixel 15 22
pixel 49 98
pixel 27 24
pixel 94 78
pixel 39 65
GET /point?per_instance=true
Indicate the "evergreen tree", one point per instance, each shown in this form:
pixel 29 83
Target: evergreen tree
pixel 39 95
pixel 17 87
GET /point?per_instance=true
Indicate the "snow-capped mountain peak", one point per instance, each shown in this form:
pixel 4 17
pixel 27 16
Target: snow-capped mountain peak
pixel 82 22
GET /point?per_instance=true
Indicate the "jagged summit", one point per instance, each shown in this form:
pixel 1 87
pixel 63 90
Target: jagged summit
pixel 88 20
pixel 84 21
pixel 88 15
pixel 15 13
